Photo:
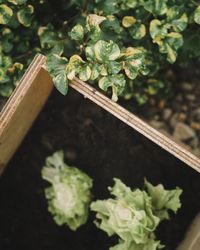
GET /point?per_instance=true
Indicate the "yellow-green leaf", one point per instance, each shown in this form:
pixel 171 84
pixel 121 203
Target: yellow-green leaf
pixel 5 14
pixel 137 31
pixel 106 51
pixel 24 15
pixel 197 15
pixel 128 21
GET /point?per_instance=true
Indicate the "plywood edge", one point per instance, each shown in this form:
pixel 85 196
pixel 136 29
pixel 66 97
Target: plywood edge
pixel 21 90
pixel 22 108
pixel 167 143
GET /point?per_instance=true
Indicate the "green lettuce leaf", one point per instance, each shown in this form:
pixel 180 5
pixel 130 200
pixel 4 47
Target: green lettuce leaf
pixel 163 200
pixel 69 195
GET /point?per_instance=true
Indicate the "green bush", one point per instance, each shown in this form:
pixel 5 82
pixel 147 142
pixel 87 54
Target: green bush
pixel 121 45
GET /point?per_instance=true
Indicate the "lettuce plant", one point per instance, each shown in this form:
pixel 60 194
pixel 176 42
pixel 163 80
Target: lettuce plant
pixel 69 195
pixel 133 215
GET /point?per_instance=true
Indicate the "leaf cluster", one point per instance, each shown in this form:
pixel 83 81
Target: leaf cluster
pixel 123 46
pixel 133 215
pixel 69 195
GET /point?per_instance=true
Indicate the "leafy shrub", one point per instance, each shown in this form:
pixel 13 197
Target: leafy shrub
pixel 133 215
pixel 69 195
pixel 123 45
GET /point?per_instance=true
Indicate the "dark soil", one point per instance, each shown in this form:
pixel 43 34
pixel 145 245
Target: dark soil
pixel 103 147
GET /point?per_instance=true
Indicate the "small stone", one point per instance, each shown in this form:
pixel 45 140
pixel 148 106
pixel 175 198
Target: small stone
pixel 190 97
pixel 182 117
pixel 174 120
pixel 166 114
pixel 179 98
pixel 195 125
pixel 183 132
pixel 187 87
pixel 71 154
pixel 184 108
pixel 157 124
pixel 177 117
pixel 197 152
pixel 194 143
pixel 156 117
pixel 161 104
pixel 196 114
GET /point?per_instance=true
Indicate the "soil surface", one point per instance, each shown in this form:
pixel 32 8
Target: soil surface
pixel 103 147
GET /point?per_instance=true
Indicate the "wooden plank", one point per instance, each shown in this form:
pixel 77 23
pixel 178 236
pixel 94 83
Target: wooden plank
pixel 167 143
pixel 22 108
pixel 28 99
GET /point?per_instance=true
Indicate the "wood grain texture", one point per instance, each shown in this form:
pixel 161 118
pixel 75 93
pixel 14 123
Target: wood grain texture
pixel 167 143
pixel 22 108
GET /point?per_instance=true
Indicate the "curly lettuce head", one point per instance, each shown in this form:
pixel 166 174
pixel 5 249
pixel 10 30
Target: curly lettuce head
pixel 133 215
pixel 69 195
pixel 129 214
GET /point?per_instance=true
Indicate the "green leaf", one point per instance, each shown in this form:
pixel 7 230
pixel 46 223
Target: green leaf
pixel 177 18
pixel 93 22
pixel 51 40
pixel 56 67
pixel 137 31
pixel 116 82
pixel 197 15
pixel 106 51
pixel 6 89
pixel 163 200
pixel 114 67
pixel 75 66
pixel 85 73
pixel 156 7
pixel 95 72
pixel 173 42
pixel 77 33
pixel 24 15
pixel 69 195
pixel 6 14
pixel 89 53
pixel 7 40
pixel 17 2
pixel 157 29
pixel 134 62
pixel 128 21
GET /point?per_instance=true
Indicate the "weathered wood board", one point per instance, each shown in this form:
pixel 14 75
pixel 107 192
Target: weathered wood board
pixel 28 99
pixel 22 108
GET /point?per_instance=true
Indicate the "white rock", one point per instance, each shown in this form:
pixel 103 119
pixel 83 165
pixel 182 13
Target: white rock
pixel 183 132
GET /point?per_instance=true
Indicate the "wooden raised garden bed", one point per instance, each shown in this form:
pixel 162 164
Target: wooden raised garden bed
pixel 95 141
pixel 29 97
